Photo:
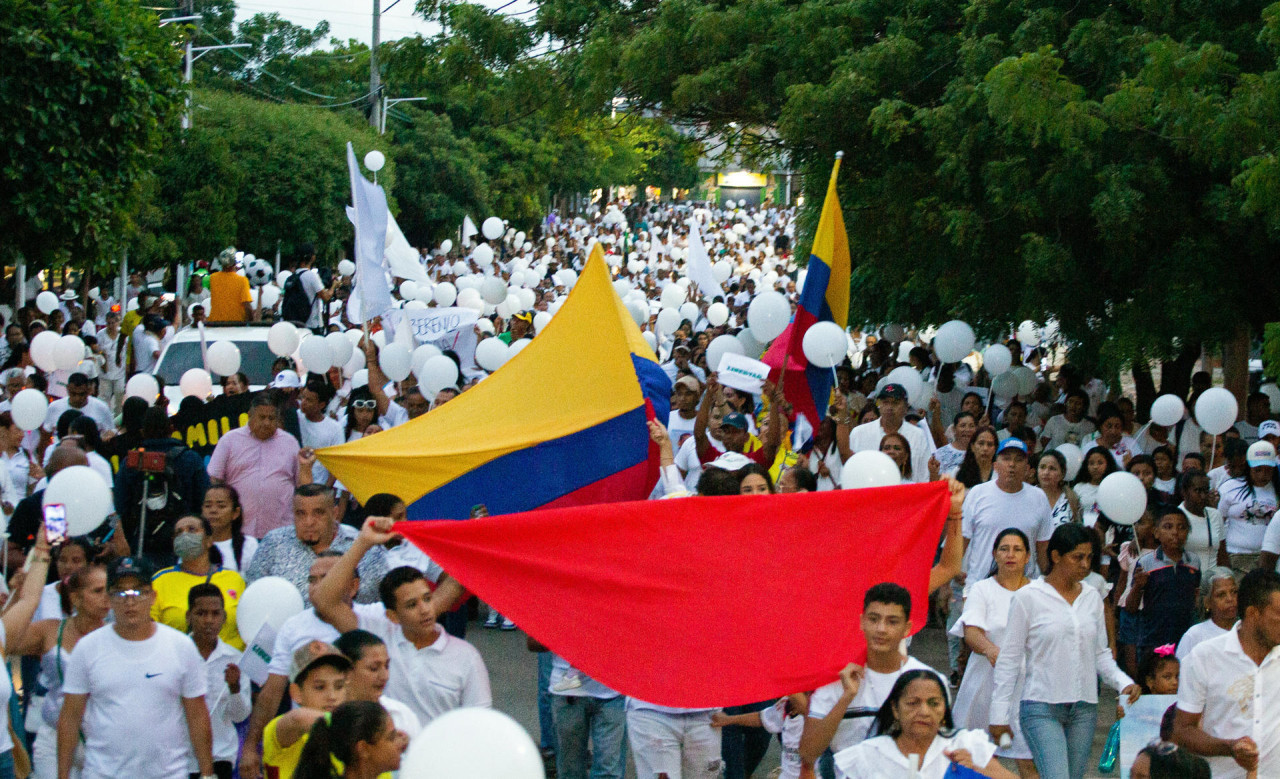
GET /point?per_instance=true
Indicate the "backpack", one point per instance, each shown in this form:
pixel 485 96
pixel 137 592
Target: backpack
pixel 159 494
pixel 295 306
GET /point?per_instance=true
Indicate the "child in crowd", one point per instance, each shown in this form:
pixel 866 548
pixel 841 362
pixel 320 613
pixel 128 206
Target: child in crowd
pixel 1130 617
pixel 786 717
pixel 228 698
pixel 317 683
pixel 1166 471
pixel 1158 674
pixel 1165 584
pixel 1144 468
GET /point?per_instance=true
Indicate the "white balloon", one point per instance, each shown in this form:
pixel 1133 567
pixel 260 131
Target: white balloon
pixel 142 385
pixel 493 290
pixel 353 335
pixel 408 289
pixel 283 339
pixel 997 359
pixel 1027 379
pixel 491 353
pixel 668 320
pixel 768 315
pixel 421 355
pixel 340 348
pixel 953 341
pixel 474 742
pixel 540 321
pixel 1273 394
pixel 717 314
pixel 395 361
pixel 460 267
pixel 492 228
pixel 485 326
pixel 196 383
pixel 517 346
pixel 85 496
pixel 717 348
pixel 379 338
pixel 446 246
pixel 30 407
pixel 374 160
pixel 445 293
pixel 46 301
pixel 527 298
pixel 673 296
pixel 893 332
pixel 689 312
pixel 267 601
pixel 426 291
pixel 721 270
pixel 44 350
pixel 1029 333
pixel 1216 410
pixel 68 352
pixel 360 378
pixel 346 268
pixel 1168 410
pixel 483 255
pixel 1074 457
pixel 869 468
pixel 825 344
pixel 750 346
pixel 1005 386
pixel 282 277
pixel 650 339
pixel 639 312
pixel 1122 498
pixel 437 373
pixel 470 298
pixel 315 354
pixel 270 296
pixel 910 380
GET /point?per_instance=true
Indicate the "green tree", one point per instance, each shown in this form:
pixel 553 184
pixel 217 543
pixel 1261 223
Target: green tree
pixel 90 93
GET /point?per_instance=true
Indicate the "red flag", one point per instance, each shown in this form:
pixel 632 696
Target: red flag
pixel 700 602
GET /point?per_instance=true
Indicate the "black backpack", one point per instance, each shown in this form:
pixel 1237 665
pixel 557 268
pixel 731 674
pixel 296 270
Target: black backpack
pixel 157 496
pixel 295 306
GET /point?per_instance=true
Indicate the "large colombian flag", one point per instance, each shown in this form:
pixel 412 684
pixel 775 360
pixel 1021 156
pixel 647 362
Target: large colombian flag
pixel 825 298
pixel 563 423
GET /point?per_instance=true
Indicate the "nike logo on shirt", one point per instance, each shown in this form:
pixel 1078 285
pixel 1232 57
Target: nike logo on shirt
pixel 152 676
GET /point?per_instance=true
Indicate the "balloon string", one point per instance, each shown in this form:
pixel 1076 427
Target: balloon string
pixel 1143 429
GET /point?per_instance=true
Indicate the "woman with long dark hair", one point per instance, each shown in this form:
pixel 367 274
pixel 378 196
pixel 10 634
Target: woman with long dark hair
pixel 1050 475
pixel 357 740
pixel 1057 633
pixel 915 723
pixel 1098 464
pixel 980 458
pixel 899 450
pixel 199 561
pixel 225 515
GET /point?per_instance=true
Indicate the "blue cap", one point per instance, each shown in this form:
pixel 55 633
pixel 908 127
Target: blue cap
pixel 1012 442
pixel 734 419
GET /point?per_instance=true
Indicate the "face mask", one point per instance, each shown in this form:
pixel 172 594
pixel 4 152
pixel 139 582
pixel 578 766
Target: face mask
pixel 188 545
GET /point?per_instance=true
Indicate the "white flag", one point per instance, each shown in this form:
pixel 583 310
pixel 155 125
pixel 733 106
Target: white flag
pixel 698 265
pixel 369 214
pixel 468 229
pixel 401 257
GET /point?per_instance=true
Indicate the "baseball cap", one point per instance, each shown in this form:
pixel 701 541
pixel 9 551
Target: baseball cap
pixel 1269 427
pixel 734 419
pixel 1261 453
pixel 730 461
pixel 893 391
pixel 314 654
pixel 689 383
pixel 524 316
pixel 286 380
pixel 1012 443
pixel 130 567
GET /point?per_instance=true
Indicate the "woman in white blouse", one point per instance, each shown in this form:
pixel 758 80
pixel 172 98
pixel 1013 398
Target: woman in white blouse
pixel 1057 633
pixel 1207 537
pixel 982 625
pixel 916 737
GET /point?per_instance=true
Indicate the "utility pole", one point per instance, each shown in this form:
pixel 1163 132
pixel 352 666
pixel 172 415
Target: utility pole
pixel 375 85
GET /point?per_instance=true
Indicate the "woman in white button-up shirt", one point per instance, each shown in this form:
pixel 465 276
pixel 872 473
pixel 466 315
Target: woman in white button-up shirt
pixel 1056 631
pixel 914 724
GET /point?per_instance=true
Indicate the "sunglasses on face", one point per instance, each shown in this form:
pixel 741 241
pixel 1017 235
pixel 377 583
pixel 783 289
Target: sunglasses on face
pixel 370 404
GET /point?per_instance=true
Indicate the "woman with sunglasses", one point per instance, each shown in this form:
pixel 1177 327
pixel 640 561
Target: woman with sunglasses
pixel 361 420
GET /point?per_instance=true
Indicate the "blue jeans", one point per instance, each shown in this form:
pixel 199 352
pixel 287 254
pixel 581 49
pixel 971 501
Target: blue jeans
pixel 603 722
pixel 546 725
pixel 1060 736
pixel 743 748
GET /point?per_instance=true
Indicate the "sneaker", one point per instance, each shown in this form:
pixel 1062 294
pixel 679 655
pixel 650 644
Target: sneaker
pixel 508 624
pixel 494 619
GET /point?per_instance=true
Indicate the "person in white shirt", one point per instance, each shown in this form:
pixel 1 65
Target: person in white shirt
pixel 432 672
pixel 79 398
pixel 115 346
pixel 1229 688
pixel 146 344
pixel 1207 537
pixel 1111 436
pixel 135 692
pixel 892 403
pixel 1004 502
pixel 227 699
pixel 1056 632
pixel 1218 591
pixel 913 735
pixel 1248 505
pixel 680 362
pixel 840 712
pixel 1070 427
pixel 317 429
pixel 684 409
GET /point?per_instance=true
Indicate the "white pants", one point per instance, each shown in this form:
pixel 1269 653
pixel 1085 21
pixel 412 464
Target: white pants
pixel 111 392
pixel 682 746
pixel 44 755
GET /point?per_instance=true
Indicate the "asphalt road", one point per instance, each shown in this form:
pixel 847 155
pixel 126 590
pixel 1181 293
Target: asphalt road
pixel 513 671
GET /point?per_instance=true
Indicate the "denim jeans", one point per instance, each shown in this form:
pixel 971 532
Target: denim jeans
pixel 546 724
pixel 603 721
pixel 744 748
pixel 1060 736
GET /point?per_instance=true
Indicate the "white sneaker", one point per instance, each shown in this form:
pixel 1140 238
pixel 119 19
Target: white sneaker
pixel 508 624
pixel 494 619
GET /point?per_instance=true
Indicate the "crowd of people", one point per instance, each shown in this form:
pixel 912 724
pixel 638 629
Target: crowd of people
pixel 128 635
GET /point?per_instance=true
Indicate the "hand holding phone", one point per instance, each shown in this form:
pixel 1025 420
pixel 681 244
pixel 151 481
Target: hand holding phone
pixel 55 523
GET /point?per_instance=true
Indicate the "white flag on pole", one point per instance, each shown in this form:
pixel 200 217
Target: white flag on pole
pixel 402 259
pixel 369 214
pixel 698 265
pixel 468 229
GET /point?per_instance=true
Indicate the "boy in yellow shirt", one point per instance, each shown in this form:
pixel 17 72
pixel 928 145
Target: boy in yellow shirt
pixel 317 682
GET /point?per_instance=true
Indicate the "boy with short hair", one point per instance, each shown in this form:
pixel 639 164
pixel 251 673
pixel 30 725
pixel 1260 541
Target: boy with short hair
pixel 317 683
pixel 227 699
pixel 1166 582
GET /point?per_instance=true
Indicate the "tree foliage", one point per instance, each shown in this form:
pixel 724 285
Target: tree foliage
pixel 90 93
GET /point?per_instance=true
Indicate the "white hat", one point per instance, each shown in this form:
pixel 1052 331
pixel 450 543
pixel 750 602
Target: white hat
pixel 286 380
pixel 730 461
pixel 1261 453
